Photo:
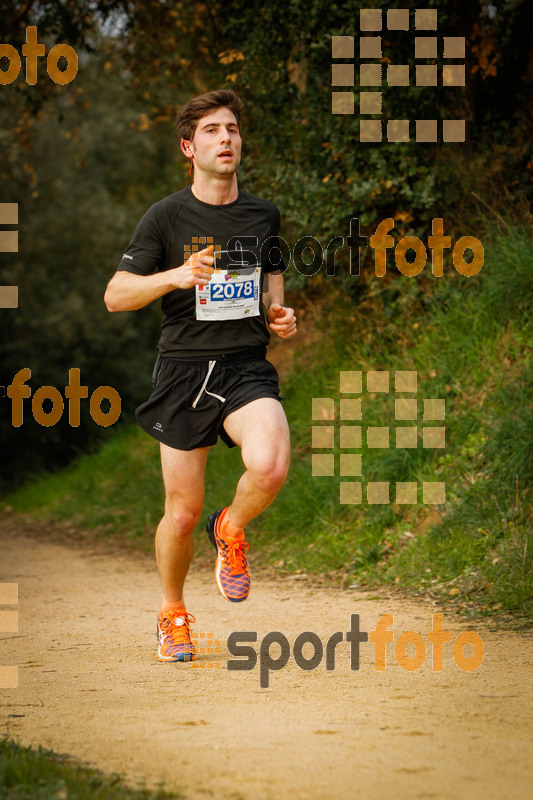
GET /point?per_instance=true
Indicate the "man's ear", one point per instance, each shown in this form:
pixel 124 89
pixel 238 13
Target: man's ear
pixel 186 147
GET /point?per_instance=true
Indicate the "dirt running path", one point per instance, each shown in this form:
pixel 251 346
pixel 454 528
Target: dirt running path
pixel 90 686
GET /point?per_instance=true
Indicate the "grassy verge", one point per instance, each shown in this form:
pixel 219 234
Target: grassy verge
pixel 469 341
pixel 27 774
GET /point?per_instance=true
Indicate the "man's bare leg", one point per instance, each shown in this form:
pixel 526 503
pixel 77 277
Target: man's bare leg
pixel 184 479
pixel 260 429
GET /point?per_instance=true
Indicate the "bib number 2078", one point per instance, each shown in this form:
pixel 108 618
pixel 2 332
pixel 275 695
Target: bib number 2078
pixel 228 291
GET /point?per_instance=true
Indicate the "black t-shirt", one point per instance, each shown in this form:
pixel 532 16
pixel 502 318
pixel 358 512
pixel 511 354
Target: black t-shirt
pixel 245 231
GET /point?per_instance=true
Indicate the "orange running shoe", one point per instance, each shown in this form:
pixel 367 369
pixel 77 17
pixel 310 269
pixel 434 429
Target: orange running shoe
pixel 232 572
pixel 174 635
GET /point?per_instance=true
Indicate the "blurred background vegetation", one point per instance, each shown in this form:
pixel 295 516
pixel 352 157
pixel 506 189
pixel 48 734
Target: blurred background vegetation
pixel 85 160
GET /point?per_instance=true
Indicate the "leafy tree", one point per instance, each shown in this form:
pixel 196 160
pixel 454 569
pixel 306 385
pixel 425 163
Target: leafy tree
pixel 85 160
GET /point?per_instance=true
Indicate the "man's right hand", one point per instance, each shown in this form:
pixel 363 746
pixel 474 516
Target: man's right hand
pixel 127 291
pixel 196 271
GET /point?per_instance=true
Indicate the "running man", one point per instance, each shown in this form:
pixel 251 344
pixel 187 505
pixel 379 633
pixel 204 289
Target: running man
pixel 211 377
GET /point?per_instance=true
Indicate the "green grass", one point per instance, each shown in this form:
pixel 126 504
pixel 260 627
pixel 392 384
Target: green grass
pixel 27 774
pixel 469 339
pixel 117 488
pixel 118 491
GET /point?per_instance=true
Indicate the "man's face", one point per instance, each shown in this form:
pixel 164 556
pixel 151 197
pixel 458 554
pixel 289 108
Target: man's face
pixel 216 145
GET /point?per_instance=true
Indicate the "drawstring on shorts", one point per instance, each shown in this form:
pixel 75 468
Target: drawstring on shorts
pixel 204 385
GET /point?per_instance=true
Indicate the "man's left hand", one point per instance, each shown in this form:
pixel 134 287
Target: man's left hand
pixel 282 320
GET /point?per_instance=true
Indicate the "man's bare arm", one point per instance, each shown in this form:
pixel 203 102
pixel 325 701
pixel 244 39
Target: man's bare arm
pixel 127 291
pixel 281 318
pixel 275 289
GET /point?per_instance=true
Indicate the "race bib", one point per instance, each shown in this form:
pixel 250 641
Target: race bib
pixel 229 295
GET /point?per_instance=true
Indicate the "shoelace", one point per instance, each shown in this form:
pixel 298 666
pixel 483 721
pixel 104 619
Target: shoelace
pixel 235 549
pixel 179 634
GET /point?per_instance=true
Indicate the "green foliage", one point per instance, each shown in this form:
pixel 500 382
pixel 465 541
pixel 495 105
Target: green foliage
pixel 85 160
pixel 311 161
pixel 475 551
pixel 27 774
pixel 107 490
pixel 80 193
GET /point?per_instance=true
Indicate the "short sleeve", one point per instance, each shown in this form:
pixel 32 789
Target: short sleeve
pixel 146 250
pixel 272 254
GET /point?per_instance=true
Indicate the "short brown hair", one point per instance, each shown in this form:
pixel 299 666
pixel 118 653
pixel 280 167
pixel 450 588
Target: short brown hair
pixel 192 112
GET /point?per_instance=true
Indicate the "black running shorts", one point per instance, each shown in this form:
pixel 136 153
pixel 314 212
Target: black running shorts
pixel 191 399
